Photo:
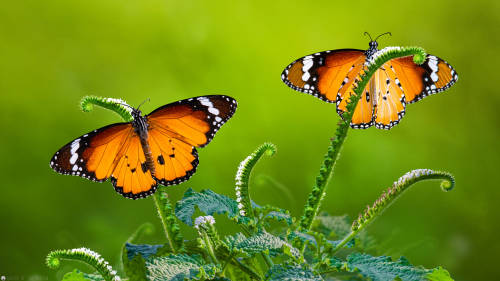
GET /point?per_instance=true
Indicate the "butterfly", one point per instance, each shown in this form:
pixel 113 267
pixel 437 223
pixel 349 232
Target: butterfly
pixel 333 75
pixel 158 148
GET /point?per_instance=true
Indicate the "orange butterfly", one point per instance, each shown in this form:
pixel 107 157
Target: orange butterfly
pixel 156 148
pixel 332 76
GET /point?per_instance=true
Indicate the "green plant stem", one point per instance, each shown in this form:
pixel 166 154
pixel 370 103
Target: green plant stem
pixel 393 193
pixel 168 220
pixel 209 246
pixel 246 269
pixel 268 260
pixel 319 189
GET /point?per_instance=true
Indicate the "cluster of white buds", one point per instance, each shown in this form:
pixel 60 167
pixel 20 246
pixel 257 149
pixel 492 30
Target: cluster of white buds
pixel 99 259
pixel 411 175
pixel 380 53
pixel 123 104
pixel 239 183
pixel 203 220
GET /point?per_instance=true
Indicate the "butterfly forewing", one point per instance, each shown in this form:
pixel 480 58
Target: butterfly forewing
pixel 195 120
pixel 92 155
pixel 324 74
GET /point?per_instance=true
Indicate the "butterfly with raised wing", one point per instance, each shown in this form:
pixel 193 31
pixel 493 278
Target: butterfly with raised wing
pixel 333 75
pixel 158 148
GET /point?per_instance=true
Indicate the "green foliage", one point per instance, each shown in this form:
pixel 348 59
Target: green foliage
pixel 261 242
pixel 292 273
pixel 383 268
pixel 168 219
pixel 179 267
pixel 75 275
pixel 208 202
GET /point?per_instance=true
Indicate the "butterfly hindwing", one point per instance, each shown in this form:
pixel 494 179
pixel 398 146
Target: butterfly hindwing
pixel 324 74
pixel 175 160
pixel 194 121
pixel 418 81
pixel 390 99
pixel 131 176
pixel 92 155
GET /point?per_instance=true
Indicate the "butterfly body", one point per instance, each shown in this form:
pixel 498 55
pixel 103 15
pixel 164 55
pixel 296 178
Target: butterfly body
pixel 332 76
pixel 158 148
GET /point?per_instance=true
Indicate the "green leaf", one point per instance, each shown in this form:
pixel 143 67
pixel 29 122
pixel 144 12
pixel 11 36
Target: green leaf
pixel 261 242
pixel 279 216
pixel 439 274
pixel 134 257
pixel 335 227
pixel 75 275
pixel 208 202
pixel 179 267
pixel 383 268
pixel 291 273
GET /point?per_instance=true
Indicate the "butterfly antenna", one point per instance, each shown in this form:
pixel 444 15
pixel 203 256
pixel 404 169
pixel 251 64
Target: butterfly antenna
pixel 383 34
pixel 148 99
pixel 366 33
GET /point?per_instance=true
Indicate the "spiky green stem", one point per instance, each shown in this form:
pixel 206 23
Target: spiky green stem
pixel 393 193
pixel 118 106
pixel 168 219
pixel 243 177
pixel 318 192
pixel 84 255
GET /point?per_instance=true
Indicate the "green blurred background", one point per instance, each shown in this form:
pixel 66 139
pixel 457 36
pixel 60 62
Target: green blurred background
pixel 54 52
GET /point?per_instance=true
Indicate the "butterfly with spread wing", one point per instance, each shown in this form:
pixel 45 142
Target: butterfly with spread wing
pixel 333 75
pixel 158 148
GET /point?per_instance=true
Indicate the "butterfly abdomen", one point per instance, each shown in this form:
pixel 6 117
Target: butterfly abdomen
pixel 141 129
pixel 149 164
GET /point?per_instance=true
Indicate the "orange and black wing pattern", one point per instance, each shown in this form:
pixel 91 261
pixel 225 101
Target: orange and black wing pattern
pixel 112 152
pixel 333 75
pixel 177 129
pixel 93 155
pixel 325 74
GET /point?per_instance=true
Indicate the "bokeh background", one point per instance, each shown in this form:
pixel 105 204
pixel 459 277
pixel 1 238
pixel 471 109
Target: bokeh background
pixel 54 52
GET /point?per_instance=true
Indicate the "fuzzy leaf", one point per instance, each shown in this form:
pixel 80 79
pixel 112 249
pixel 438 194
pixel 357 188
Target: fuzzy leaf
pixel 279 216
pixel 291 273
pixel 259 243
pixel 179 267
pixel 134 257
pixel 383 268
pixel 208 202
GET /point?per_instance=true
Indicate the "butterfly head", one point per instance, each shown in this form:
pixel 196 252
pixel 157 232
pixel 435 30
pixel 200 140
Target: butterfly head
pixel 373 44
pixel 136 113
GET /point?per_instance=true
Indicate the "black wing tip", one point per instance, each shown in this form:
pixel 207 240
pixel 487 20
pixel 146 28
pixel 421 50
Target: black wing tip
pixel 130 195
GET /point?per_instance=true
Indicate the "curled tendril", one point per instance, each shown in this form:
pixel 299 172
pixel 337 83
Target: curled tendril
pixel 392 193
pixel 119 106
pixel 243 177
pixel 319 189
pixel 85 255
